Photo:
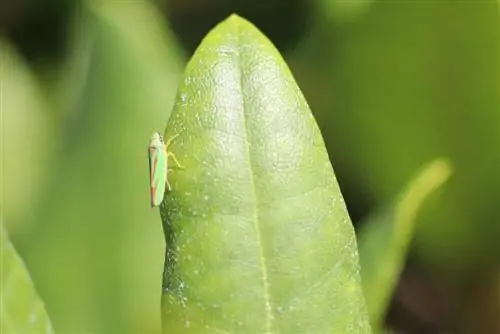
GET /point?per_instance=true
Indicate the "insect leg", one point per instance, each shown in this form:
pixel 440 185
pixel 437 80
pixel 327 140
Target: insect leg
pixel 170 154
pixel 168 184
pixel 171 139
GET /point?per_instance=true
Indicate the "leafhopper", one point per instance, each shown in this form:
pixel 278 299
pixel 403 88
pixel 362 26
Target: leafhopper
pixel 158 167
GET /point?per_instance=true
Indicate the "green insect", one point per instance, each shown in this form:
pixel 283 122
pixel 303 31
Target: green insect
pixel 158 167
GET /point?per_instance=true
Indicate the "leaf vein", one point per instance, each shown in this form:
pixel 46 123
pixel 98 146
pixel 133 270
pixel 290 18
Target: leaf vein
pixel 264 274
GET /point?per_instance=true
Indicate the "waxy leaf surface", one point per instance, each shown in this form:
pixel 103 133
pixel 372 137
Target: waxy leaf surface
pixel 258 236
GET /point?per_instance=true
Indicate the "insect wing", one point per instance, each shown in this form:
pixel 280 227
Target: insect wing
pixel 157 172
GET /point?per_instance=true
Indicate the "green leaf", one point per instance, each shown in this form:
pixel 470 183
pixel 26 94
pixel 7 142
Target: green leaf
pixel 385 237
pixel 405 102
pixel 22 310
pixel 23 109
pixel 94 229
pixel 258 236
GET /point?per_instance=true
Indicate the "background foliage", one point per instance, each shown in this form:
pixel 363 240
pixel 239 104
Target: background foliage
pixel 393 85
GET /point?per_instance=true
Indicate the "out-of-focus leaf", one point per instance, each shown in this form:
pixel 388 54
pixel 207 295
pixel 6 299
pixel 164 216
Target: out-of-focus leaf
pixel 96 252
pixel 25 136
pixel 70 76
pixel 258 236
pixel 342 10
pixel 22 310
pixel 385 238
pixel 415 80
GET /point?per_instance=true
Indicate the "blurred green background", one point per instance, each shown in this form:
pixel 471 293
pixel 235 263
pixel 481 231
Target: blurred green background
pixel 392 85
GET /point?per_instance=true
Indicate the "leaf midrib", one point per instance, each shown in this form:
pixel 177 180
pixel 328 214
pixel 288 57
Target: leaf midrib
pixel 263 265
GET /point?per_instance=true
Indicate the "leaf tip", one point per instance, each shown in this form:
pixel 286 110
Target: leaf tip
pixel 431 177
pixel 437 172
pixel 235 20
